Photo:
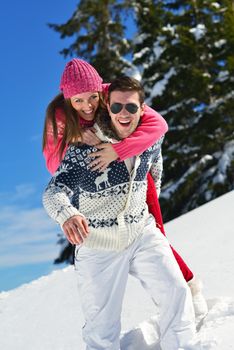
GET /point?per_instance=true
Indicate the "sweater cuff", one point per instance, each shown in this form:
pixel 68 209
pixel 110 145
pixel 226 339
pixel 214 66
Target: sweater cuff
pixel 121 150
pixel 66 214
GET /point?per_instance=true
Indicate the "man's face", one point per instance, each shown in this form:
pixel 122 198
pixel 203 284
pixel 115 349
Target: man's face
pixel 125 121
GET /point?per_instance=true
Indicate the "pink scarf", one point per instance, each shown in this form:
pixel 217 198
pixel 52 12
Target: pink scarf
pixel 86 123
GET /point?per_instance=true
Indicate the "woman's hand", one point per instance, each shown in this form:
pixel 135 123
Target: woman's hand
pixel 76 229
pixel 103 157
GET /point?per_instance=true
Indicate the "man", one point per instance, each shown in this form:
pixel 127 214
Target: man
pixel 106 216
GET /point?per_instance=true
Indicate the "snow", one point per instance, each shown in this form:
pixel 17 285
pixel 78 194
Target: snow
pixel 139 39
pixel 158 49
pixel 141 53
pixel 219 101
pixel 132 71
pixel 46 314
pixel 169 28
pixel 223 75
pixel 177 106
pixel 216 5
pixel 220 43
pixel 224 162
pixel 171 189
pixel 160 85
pixel 199 31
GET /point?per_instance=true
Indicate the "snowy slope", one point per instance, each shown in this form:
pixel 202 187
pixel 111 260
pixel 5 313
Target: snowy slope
pixel 46 315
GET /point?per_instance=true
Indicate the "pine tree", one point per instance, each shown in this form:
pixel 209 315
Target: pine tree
pixel 186 57
pixel 99 29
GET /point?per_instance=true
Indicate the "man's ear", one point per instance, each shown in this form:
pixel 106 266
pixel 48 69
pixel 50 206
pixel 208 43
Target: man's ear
pixel 142 108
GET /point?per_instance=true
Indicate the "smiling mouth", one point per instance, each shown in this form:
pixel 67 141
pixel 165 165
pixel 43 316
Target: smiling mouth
pixel 124 122
pixel 88 112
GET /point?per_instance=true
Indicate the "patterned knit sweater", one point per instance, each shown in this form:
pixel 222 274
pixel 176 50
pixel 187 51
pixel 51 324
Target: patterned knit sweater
pixel 113 202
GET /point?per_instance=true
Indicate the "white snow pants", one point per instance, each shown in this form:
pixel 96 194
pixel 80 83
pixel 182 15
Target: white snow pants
pixel 102 278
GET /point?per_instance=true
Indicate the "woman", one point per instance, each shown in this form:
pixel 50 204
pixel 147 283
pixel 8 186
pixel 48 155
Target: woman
pixel 71 114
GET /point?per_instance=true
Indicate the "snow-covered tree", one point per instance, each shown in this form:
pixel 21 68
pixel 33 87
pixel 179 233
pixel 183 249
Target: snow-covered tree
pixel 99 31
pixel 186 59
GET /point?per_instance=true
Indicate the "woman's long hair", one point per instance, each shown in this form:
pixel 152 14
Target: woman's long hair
pixel 72 128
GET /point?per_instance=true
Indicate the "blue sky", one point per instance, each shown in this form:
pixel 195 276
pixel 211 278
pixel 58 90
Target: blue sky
pixel 30 70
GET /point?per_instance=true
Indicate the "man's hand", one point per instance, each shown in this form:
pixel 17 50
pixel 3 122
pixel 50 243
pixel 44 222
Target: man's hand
pixel 103 158
pixel 89 137
pixel 76 229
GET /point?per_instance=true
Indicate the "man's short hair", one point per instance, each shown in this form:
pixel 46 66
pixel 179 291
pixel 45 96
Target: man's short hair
pixel 125 83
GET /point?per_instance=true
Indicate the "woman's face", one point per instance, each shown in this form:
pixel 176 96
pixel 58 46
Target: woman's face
pixel 86 104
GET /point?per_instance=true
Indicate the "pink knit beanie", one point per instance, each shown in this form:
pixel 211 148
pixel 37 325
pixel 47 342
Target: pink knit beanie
pixel 78 77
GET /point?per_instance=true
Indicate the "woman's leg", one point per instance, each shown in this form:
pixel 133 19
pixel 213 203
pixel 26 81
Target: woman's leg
pixel 155 210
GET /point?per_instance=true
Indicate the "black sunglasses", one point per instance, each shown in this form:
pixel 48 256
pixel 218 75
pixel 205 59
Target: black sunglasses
pixel 130 107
